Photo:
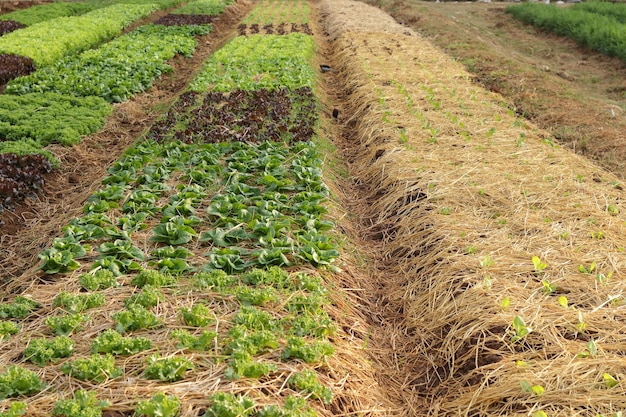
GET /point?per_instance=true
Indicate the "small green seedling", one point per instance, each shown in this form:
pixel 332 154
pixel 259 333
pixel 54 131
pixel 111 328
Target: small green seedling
pixel 547 288
pixel 609 380
pixel 563 301
pixel 526 386
pixel 538 265
pixel 587 270
pixel 519 329
pixel 591 349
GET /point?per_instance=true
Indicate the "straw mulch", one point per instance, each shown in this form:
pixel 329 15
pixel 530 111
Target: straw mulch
pixel 351 16
pixel 459 196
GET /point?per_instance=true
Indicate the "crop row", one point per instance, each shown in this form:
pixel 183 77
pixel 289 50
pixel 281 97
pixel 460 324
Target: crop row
pixel 62 102
pixel 616 11
pixel 183 245
pixel 279 11
pixel 593 30
pixel 49 11
pixel 259 61
pixel 116 70
pixel 48 41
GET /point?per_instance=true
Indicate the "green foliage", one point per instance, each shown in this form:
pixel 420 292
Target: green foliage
pixel 46 42
pixel 307 382
pixel 20 308
pixel 42 351
pixel 202 7
pixel 294 407
pixel 116 70
pixel 135 317
pixel 160 405
pixel 50 117
pixel 601 33
pixel 153 278
pixel 259 61
pixel 252 341
pixel 76 303
pixel 7 329
pixel 529 388
pixel 225 404
pixel 173 232
pixel 97 368
pixel 242 365
pixel 149 296
pixel 313 352
pixel 616 11
pixel 98 280
pixel 520 330
pixel 43 12
pixel 255 296
pixel 16 409
pixel 110 341
pixel 199 315
pixel 217 280
pixel 538 265
pixel 27 147
pixel 255 319
pixel 17 381
pixel 204 342
pixel 66 324
pixel 167 369
pixel 84 404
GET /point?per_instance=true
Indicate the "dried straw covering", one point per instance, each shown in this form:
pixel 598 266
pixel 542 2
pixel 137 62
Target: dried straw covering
pixel 461 195
pixel 352 16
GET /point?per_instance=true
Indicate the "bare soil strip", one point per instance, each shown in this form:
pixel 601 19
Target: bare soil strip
pixel 32 226
pixel 457 197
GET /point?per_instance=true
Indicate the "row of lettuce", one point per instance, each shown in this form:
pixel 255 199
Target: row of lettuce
pixel 69 97
pixel 44 12
pixel 600 26
pixel 201 252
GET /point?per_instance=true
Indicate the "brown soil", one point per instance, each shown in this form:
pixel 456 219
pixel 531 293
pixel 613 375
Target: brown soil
pixel 32 226
pixel 578 95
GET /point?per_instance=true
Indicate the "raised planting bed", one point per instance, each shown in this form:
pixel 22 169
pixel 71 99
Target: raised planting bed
pixel 116 70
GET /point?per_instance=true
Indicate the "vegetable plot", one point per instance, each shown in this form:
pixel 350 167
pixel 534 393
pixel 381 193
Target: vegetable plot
pixel 277 17
pixel 48 41
pixel 590 26
pixel 116 70
pixel 503 252
pixel 198 272
pixel 259 61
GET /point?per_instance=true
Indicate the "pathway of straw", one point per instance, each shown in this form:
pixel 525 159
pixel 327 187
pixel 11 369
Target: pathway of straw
pixel 460 195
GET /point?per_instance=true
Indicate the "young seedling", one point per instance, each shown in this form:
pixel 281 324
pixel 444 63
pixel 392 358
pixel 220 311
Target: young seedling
pixel 538 265
pixel 609 380
pixel 587 270
pixel 547 288
pixel 591 349
pixel 526 386
pixel 519 329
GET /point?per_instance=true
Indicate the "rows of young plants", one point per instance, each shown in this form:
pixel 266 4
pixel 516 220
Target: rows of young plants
pixel 277 17
pixel 117 70
pixel 259 61
pixel 49 11
pixel 62 102
pixel 48 41
pixel 612 9
pixel 597 30
pixel 195 265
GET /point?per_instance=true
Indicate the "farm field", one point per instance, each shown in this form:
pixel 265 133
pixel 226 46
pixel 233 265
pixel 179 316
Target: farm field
pixel 308 208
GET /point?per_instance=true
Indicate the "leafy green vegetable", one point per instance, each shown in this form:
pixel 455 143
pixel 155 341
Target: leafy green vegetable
pixel 225 404
pixel 20 308
pixel 16 409
pixel 84 404
pixel 50 117
pixel 98 280
pixel 159 405
pixel 135 317
pixel 167 369
pixel 42 351
pixel 76 303
pixel 7 329
pixel 97 368
pixel 66 324
pixel 307 382
pixel 110 341
pixel 17 381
